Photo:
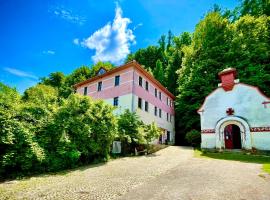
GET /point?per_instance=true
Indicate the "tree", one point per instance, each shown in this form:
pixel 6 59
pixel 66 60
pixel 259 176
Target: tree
pixel 147 56
pixel 159 72
pixel 55 79
pixel 130 129
pixel 255 7
pixel 203 59
pixel 41 95
pixel 151 132
pixel 170 41
pixel 193 137
pixel 9 97
pixel 80 74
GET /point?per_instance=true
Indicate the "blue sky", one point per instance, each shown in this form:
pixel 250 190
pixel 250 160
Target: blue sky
pixel 39 37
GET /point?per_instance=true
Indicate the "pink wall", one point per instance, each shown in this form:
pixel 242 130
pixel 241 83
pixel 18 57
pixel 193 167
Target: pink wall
pixel 108 89
pixel 126 83
pixel 150 94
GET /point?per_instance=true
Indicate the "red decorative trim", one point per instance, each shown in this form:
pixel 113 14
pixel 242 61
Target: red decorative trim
pixel 260 129
pixel 208 131
pixel 265 102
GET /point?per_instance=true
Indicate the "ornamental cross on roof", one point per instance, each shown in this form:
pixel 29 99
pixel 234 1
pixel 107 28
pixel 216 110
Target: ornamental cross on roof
pixel 230 111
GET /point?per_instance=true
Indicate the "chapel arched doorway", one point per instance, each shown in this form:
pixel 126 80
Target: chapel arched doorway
pixel 232 137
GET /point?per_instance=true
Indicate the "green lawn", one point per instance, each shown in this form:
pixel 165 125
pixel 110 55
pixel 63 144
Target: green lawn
pixel 237 156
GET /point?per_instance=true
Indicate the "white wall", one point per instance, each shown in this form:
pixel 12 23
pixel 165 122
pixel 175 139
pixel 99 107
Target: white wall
pixel 247 104
pixel 149 117
pixel 124 102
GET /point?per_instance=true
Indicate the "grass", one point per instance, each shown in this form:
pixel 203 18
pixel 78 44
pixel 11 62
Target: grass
pixel 237 156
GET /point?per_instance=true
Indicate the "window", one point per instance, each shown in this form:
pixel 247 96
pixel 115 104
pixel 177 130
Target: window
pixel 146 106
pixel 160 95
pixel 167 116
pixel 115 101
pixel 167 101
pixel 140 81
pixel 140 103
pixel 116 80
pixel 85 91
pixel 170 103
pixel 146 85
pixel 155 92
pixel 160 113
pixel 155 111
pixel 99 86
pixel 170 118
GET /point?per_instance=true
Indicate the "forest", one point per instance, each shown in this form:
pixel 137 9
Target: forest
pixel 45 129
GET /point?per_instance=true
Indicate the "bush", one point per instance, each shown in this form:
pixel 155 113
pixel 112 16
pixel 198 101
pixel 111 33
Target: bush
pixel 82 131
pixel 193 137
pixel 19 152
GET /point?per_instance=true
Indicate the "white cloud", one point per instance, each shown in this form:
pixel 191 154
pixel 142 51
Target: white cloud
pixel 20 73
pixel 49 52
pixel 76 41
pixel 68 15
pixel 111 42
pixel 137 26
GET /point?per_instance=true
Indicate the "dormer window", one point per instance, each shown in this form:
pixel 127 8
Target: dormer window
pixel 101 71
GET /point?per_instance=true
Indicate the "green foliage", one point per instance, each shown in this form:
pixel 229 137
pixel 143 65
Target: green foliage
pixel 217 44
pixel 41 95
pixel 159 72
pixel 9 97
pixel 237 156
pixel 19 151
pixel 41 132
pixel 255 7
pixel 132 132
pixel 55 79
pixel 82 131
pixel 95 68
pixel 194 137
pixel 130 128
pixel 152 132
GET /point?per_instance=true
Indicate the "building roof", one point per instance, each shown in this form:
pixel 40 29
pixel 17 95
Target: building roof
pixel 125 66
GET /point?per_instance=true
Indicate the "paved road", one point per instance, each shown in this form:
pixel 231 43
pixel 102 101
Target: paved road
pixel 172 173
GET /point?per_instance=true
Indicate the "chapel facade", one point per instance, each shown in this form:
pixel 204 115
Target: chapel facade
pixel 235 116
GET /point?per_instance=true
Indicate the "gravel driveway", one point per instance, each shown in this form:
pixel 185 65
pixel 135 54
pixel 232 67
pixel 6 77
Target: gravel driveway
pixel 172 173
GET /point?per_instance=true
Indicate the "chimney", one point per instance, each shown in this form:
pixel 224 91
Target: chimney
pixel 227 77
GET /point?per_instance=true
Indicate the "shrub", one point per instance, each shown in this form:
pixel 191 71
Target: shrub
pixel 19 152
pixel 193 137
pixel 151 132
pixel 130 131
pixel 81 132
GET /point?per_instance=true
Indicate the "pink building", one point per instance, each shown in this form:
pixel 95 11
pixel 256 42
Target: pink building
pixel 131 87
